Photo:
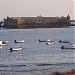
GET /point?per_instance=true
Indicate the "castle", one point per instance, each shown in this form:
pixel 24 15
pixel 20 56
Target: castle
pixel 35 22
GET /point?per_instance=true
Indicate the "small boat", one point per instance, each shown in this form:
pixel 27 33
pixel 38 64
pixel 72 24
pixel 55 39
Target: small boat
pixel 18 41
pixel 15 49
pixel 49 43
pixel 68 47
pixel 42 40
pixel 45 40
pixel 65 41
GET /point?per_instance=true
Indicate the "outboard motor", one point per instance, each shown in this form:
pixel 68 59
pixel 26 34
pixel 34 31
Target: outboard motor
pixel 15 41
pixel 39 40
pixel 60 41
pixel 11 49
pixel 62 47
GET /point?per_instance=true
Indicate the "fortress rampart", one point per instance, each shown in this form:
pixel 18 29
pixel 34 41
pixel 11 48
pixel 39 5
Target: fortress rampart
pixel 36 22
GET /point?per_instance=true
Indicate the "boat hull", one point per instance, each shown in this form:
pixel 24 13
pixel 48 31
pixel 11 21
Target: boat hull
pixel 45 40
pixel 15 49
pixel 68 47
pixel 65 41
pixel 19 41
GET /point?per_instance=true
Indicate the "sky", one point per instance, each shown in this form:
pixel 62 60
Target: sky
pixel 34 8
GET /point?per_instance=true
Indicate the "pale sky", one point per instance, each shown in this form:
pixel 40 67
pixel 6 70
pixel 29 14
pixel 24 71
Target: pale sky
pixel 33 8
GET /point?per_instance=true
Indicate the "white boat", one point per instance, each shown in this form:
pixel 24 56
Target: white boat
pixel 68 47
pixel 15 49
pixel 19 41
pixel 65 41
pixel 49 40
pixel 49 43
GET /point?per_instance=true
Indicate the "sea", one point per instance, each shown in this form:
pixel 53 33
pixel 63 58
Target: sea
pixel 36 57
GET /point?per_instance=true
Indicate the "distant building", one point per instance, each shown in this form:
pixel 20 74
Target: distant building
pixel 34 22
pixel 10 22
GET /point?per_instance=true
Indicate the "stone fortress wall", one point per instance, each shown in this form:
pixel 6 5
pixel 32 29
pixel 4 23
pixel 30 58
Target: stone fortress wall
pixel 35 22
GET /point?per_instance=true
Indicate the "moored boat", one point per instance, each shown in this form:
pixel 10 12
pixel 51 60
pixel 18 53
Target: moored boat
pixel 42 40
pixel 15 49
pixel 65 41
pixel 18 41
pixel 68 47
pixel 49 40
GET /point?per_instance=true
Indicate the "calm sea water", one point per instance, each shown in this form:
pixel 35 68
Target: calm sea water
pixel 36 57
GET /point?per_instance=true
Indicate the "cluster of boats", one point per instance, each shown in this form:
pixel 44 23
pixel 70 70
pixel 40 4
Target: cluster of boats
pixel 48 42
pixel 68 46
pixel 3 43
